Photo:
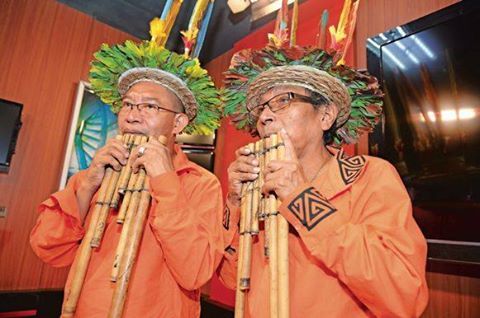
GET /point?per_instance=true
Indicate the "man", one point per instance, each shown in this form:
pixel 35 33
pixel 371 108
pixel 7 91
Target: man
pixel 354 247
pixel 181 244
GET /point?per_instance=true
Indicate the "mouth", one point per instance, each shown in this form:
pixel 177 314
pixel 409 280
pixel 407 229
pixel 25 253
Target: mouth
pixel 268 132
pixel 132 130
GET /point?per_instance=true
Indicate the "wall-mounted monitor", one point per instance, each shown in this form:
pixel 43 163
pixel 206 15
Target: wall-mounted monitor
pixel 429 70
pixel 10 123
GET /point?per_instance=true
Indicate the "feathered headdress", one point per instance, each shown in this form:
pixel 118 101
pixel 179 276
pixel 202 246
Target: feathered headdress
pixel 116 68
pixel 358 115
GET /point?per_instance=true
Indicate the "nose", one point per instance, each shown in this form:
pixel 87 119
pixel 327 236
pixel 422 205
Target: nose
pixel 266 117
pixel 133 115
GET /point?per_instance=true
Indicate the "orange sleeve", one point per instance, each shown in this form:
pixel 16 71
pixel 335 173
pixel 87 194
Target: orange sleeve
pixel 187 223
pixel 58 231
pixel 227 271
pixel 374 245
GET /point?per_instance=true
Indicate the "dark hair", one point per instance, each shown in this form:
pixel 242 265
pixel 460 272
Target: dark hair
pixel 317 101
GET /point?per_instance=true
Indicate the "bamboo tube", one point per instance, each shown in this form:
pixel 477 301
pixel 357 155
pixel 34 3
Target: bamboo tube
pixel 137 140
pixel 254 228
pixel 103 215
pixel 128 139
pixel 102 218
pixel 130 254
pixel 272 238
pixel 262 213
pixel 239 293
pixel 126 186
pixel 126 198
pixel 84 252
pixel 130 214
pixel 283 283
pixel 247 236
pixel 129 208
pixel 261 181
pixel 243 207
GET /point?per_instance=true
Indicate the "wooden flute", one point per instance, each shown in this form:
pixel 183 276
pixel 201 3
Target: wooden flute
pixel 133 213
pixel 255 208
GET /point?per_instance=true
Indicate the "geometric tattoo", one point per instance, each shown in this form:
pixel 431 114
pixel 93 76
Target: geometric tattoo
pixel 310 207
pixel 350 167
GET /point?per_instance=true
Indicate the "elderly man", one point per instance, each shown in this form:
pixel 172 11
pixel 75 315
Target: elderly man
pixel 181 244
pixel 354 247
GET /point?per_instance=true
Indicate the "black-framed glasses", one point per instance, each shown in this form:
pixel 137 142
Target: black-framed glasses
pixel 145 108
pixel 278 102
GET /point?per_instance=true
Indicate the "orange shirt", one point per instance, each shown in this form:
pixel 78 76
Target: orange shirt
pixel 354 247
pixel 179 251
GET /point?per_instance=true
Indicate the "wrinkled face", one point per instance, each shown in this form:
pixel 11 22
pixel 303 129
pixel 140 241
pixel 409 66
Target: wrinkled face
pixel 151 109
pixel 303 122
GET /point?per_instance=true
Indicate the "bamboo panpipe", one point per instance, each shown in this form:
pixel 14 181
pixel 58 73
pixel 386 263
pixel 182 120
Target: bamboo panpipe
pixel 136 210
pixel 105 204
pixel 126 185
pixel 255 208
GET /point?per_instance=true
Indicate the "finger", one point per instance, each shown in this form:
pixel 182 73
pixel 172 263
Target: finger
pixel 275 165
pixel 282 176
pixel 116 143
pixel 249 160
pixel 137 164
pixel 244 176
pixel 118 155
pixel 245 167
pixel 244 151
pixel 120 147
pixel 114 148
pixel 268 187
pixel 289 149
pixel 110 161
pixel 134 155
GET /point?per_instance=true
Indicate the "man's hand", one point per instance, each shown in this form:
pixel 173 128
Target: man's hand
pixel 244 168
pixel 156 158
pixel 284 176
pixel 114 154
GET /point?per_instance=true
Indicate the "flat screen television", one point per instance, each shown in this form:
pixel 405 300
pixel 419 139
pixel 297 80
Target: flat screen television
pixel 10 113
pixel 429 70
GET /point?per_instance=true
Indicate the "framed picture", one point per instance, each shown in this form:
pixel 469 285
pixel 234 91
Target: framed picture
pixel 93 123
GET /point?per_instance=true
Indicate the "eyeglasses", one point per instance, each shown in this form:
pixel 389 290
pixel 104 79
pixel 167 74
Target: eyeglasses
pixel 278 103
pixel 144 108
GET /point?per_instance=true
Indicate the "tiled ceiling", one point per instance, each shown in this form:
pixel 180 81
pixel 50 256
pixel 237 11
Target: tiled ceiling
pixel 133 16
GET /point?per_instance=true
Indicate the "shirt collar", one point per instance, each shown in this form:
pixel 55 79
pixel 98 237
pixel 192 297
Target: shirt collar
pixel 340 173
pixel 181 162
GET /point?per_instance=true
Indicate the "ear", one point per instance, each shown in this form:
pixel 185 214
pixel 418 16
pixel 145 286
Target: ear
pixel 180 122
pixel 329 116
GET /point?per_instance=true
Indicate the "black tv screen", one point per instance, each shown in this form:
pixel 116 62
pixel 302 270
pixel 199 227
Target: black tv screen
pixel 430 73
pixel 9 126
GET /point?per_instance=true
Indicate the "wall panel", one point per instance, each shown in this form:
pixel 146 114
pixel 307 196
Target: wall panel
pixel 45 51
